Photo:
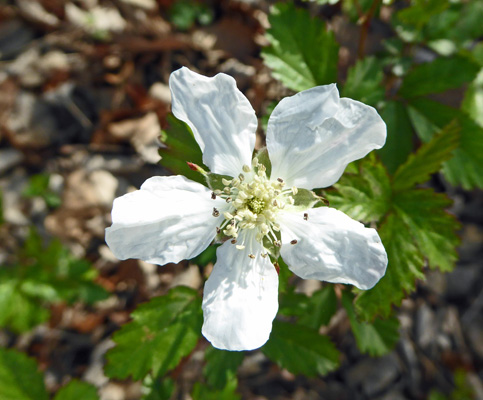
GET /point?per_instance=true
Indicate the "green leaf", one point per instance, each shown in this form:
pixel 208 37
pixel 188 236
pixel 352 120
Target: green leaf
pixel 76 390
pixel 204 392
pixel 421 11
pixel 473 101
pixel 19 377
pixel 376 338
pixel 364 81
pixel 465 167
pixel 20 312
pixel 399 142
pixel 433 229
pixel 405 264
pixel 221 366
pixel 418 228
pixel 437 76
pixel 364 196
pixel 301 350
pixel 302 53
pixel 162 332
pixel 428 159
pixel 44 274
pixel 181 147
pixel 157 389
pixel 313 311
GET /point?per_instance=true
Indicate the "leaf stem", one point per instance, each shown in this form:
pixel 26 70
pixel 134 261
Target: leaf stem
pixel 365 23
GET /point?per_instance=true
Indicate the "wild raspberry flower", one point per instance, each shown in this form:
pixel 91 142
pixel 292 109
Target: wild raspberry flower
pixel 261 209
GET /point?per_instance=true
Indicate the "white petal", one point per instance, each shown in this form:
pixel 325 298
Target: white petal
pixel 313 135
pixel 240 299
pixel 220 116
pixel 169 219
pixel 332 247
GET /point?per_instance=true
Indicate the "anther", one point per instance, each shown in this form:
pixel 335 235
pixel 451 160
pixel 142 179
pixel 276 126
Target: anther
pixel 280 180
pixel 225 182
pixel 294 190
pixel 264 255
pixel 306 217
pixel 240 247
pixel 228 199
pixel 254 161
pixel 251 256
pixel 293 241
pixel 241 177
pixel 218 230
pixel 213 195
pixel 215 213
pixel 277 243
pixel 246 168
pixel 217 192
pixel 233 241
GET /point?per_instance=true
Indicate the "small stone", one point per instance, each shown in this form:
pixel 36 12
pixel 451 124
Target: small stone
pixel 426 328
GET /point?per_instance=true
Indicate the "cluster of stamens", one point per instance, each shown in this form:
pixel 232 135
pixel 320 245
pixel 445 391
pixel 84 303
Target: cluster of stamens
pixel 255 201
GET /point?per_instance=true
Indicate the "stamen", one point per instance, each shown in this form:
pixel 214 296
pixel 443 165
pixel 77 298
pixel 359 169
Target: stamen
pixel 218 230
pixel 280 180
pixel 264 255
pixel 241 177
pixel 233 241
pixel 293 241
pixel 215 213
pixel 251 256
pixel 277 243
pixel 228 199
pixel 246 168
pixel 213 195
pixel 226 182
pixel 240 247
pixel 306 217
pixel 294 190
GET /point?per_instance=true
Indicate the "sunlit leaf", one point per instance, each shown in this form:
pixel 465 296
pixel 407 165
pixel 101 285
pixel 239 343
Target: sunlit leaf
pixel 428 159
pixel 76 390
pixel 364 81
pixel 20 378
pixel 364 196
pixel 302 53
pixel 162 332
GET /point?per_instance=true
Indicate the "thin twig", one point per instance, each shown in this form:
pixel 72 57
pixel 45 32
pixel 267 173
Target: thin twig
pixel 366 22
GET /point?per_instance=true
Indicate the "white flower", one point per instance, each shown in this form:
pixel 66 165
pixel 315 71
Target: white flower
pixel 311 137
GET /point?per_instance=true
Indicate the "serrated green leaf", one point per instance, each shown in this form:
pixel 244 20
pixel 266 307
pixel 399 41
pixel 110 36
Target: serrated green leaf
pixel 376 338
pixel 364 81
pixel 162 332
pixel 465 167
pixel 404 267
pixel 364 196
pixel 433 229
pixel 20 378
pixel 301 350
pixel 438 75
pixel 302 53
pixel 76 390
pixel 181 147
pixel 428 159
pixel 399 142
pixel 221 366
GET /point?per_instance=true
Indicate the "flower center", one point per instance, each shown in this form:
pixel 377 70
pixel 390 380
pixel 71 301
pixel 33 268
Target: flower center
pixel 256 205
pixel 255 201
